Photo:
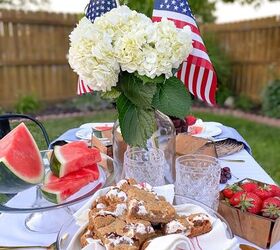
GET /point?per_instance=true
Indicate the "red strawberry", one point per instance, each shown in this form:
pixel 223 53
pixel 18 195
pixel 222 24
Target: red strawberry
pixel 249 186
pixel 190 120
pixel 249 202
pixel 236 198
pixel 264 192
pixel 229 191
pixel 252 204
pixel 271 208
pixel 275 190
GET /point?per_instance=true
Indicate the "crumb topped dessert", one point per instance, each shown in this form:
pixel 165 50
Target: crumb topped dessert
pixel 130 215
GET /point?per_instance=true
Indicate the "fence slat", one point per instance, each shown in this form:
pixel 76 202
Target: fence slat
pixel 33 56
pixel 254 49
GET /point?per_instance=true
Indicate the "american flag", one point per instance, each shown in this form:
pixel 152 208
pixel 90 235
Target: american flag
pixel 197 71
pixel 95 9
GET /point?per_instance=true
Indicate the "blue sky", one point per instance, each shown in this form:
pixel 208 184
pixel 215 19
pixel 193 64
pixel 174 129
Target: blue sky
pixel 225 12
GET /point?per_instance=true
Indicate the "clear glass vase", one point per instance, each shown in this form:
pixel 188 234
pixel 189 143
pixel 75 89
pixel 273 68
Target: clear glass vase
pixel 163 138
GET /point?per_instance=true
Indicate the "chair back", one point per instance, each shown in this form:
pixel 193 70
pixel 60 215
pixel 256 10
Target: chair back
pixel 5 127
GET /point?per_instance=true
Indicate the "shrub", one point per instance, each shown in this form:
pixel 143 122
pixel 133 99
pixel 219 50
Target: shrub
pixel 243 102
pixel 271 99
pixel 27 104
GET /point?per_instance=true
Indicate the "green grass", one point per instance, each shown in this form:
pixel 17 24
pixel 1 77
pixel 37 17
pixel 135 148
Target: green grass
pixel 264 140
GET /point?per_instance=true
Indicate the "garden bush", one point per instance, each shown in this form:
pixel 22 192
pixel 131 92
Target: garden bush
pixel 244 103
pixel 271 99
pixel 28 105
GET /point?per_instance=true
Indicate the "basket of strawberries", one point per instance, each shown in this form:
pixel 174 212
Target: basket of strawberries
pixel 252 209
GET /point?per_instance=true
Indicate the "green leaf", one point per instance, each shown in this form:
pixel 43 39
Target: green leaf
pixel 172 98
pixel 137 124
pixel 146 79
pixel 113 94
pixel 136 91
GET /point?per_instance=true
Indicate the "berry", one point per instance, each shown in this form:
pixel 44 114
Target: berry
pixel 249 186
pixel 275 190
pixel 223 180
pixel 229 191
pixel 226 169
pixel 228 176
pixel 190 120
pixel 264 192
pixel 225 175
pixel 249 202
pixel 235 199
pixel 271 208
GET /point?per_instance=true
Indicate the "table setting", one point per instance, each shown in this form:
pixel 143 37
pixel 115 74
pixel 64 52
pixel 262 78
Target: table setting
pixel 157 177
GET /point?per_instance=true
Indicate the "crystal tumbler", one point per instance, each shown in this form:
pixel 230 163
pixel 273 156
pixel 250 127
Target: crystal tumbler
pixel 145 165
pixel 198 177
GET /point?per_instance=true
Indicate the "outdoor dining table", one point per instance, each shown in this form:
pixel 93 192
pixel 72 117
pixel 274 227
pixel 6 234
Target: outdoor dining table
pixel 242 165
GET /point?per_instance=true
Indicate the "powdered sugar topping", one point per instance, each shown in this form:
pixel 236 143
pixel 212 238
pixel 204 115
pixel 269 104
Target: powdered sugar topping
pixel 116 192
pixel 120 209
pixel 175 227
pixel 115 240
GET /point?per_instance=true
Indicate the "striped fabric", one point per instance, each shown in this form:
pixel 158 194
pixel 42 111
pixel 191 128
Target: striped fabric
pixel 197 71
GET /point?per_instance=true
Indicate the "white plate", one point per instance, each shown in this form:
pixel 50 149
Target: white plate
pixel 86 130
pixel 84 134
pixel 97 124
pixel 210 129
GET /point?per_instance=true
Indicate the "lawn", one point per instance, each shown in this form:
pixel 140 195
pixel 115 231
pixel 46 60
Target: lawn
pixel 264 140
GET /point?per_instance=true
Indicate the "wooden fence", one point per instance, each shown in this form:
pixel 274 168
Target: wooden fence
pixel 33 51
pixel 34 46
pixel 254 49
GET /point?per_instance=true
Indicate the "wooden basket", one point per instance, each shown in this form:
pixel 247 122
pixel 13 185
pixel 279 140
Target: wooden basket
pixel 263 232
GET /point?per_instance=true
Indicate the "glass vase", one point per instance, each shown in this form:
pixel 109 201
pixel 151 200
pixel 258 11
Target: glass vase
pixel 163 138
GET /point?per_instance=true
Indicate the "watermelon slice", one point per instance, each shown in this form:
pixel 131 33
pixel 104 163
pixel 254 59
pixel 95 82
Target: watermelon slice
pixel 21 165
pixel 72 157
pixel 57 189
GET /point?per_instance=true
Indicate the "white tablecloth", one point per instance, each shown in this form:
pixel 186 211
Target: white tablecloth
pixel 13 231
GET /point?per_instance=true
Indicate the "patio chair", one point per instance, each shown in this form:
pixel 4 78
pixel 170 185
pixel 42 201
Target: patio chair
pixel 5 127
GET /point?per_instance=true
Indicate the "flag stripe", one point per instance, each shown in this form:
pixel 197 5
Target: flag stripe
pixel 197 71
pixel 199 62
pixel 199 82
pixel 174 15
pixel 203 85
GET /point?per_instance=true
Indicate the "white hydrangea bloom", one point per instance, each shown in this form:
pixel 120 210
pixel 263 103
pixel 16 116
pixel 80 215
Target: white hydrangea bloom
pixel 124 39
pixel 91 55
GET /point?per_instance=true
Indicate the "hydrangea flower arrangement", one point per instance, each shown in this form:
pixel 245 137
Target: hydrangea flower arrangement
pixel 130 59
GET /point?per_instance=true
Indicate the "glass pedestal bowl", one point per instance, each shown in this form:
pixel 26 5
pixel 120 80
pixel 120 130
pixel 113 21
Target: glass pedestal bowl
pixel 47 217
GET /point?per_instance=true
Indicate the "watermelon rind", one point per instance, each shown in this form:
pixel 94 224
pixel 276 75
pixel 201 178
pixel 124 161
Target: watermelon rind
pixel 10 182
pixel 55 165
pixel 51 196
pixel 61 165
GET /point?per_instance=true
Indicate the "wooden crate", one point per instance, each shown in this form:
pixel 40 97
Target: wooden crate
pixel 263 232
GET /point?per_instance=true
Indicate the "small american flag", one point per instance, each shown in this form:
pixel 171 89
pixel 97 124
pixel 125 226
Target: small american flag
pixel 197 71
pixel 95 9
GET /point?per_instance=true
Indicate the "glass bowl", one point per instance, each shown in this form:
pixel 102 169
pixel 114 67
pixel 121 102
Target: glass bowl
pixel 31 200
pixel 71 229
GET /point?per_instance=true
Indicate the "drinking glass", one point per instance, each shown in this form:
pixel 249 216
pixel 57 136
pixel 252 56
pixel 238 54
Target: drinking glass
pixel 198 177
pixel 145 165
